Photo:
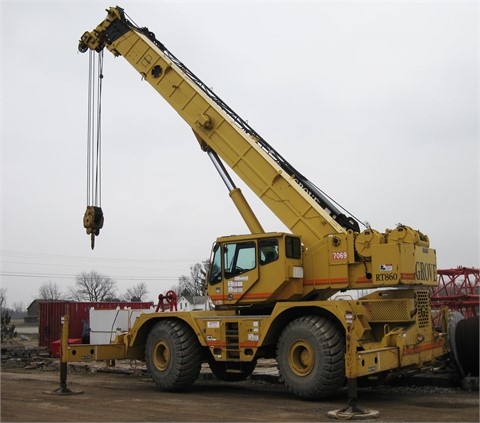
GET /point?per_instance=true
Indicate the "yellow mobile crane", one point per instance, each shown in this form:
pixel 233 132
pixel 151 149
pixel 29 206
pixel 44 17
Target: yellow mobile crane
pixel 272 292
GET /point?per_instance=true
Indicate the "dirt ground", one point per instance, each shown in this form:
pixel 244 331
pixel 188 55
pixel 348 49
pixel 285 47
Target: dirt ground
pixel 27 395
pixel 125 393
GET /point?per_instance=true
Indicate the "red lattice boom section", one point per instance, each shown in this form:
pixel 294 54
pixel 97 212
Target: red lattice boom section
pixel 458 289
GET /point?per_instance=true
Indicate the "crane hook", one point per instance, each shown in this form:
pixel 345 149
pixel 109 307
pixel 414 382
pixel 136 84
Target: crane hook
pixel 93 222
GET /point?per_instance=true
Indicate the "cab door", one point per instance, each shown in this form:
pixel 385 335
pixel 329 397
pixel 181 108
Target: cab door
pixel 234 271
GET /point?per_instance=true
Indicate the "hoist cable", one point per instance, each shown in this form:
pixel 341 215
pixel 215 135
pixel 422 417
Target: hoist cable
pixel 95 75
pixel 98 168
pixel 91 65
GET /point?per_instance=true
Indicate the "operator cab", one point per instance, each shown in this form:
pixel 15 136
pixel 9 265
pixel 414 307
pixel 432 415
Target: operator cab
pixel 255 269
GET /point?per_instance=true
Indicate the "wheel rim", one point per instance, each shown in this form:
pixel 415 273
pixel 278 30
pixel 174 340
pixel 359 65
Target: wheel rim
pixel 301 358
pixel 161 355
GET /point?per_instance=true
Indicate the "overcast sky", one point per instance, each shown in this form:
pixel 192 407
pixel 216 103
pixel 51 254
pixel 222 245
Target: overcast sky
pixel 375 102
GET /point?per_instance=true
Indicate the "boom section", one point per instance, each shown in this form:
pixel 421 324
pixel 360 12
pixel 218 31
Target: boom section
pixel 301 206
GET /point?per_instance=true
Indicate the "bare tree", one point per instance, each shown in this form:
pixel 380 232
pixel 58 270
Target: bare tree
pixel 3 298
pixel 183 287
pixel 93 287
pixel 136 292
pixel 7 330
pixel 50 291
pixel 195 283
pixel 198 274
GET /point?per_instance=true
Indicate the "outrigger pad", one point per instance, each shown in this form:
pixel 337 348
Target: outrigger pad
pixel 62 390
pixel 353 413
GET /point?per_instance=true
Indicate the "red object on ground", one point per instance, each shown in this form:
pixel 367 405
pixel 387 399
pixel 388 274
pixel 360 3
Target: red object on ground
pixel 55 348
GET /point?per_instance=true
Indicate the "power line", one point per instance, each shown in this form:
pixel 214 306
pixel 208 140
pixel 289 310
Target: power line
pixel 42 256
pixel 152 267
pixel 12 258
pixel 64 276
pixel 29 265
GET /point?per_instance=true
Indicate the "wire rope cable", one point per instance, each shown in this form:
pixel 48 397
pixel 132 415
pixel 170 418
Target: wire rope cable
pixel 94 133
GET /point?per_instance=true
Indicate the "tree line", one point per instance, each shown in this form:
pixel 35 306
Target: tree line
pixel 93 287
pixel 97 287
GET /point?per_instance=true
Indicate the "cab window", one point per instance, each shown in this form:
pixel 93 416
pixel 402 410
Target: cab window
pixel 239 258
pixel 293 247
pixel 216 265
pixel 268 250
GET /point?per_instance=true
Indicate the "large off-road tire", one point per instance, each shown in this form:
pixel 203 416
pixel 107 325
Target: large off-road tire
pixel 173 355
pixel 311 357
pixel 231 372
